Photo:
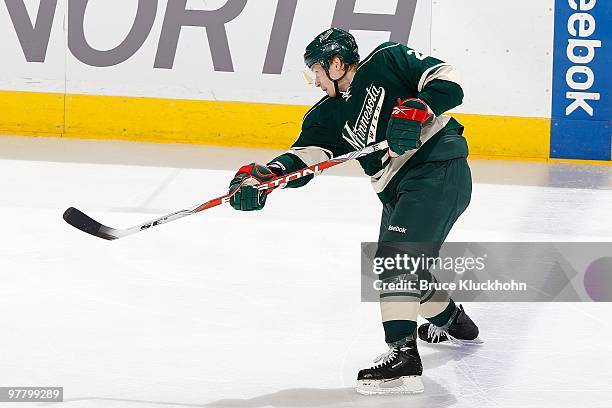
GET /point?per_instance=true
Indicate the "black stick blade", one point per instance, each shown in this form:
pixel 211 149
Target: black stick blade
pixel 85 223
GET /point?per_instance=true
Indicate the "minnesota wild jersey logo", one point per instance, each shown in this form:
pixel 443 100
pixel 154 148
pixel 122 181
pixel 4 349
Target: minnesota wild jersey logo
pixel 364 131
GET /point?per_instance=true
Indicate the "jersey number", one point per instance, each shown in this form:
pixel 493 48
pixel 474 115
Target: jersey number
pixel 417 54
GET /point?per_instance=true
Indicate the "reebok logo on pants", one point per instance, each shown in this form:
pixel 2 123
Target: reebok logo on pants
pixel 397 229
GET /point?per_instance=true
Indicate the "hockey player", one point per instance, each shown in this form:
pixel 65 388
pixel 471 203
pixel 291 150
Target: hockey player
pixel 423 180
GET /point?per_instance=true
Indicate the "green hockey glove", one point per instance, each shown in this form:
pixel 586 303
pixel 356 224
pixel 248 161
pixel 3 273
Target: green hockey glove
pixel 407 120
pixel 248 198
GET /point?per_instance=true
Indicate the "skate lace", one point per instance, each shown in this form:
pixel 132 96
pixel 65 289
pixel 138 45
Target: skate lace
pixel 435 333
pixel 385 357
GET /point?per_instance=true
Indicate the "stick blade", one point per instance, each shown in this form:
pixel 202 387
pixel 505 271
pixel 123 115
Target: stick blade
pixel 85 223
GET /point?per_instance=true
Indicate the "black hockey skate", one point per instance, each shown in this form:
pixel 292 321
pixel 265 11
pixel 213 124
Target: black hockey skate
pixel 459 330
pixel 398 371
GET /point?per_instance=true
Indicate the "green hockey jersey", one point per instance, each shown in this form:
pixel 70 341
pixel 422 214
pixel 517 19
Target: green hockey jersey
pixel 336 126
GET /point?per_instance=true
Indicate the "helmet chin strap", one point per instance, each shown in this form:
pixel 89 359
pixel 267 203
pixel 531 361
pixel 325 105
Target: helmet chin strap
pixel 336 81
pixel 337 89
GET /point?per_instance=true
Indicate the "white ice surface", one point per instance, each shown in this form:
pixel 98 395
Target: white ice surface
pixel 246 310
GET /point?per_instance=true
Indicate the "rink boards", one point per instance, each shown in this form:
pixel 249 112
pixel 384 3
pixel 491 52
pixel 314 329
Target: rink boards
pixel 228 72
pixel 228 123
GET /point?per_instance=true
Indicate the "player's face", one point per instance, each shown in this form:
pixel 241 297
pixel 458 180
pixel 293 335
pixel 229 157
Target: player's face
pixel 322 81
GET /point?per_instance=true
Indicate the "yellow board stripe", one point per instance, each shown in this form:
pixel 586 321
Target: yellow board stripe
pixel 30 113
pixel 229 123
pixel 507 136
pixel 183 121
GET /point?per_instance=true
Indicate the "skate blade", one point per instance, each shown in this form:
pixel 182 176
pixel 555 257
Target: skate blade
pixel 475 342
pixel 401 385
pixel 457 342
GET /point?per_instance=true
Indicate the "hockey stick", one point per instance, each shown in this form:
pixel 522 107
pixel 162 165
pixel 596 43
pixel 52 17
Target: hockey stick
pixel 83 222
